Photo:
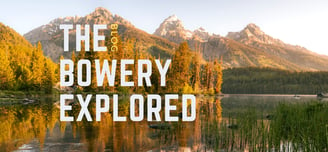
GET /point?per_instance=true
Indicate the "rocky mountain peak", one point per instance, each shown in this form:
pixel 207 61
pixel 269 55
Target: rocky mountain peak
pixel 101 12
pixel 252 33
pixel 201 34
pixel 101 9
pixel 200 29
pixel 253 27
pixel 252 30
pixel 50 34
pixel 103 16
pixel 172 18
pixel 170 24
pixel 172 29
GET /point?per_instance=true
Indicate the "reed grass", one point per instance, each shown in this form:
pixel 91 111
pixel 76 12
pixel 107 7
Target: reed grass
pixel 294 127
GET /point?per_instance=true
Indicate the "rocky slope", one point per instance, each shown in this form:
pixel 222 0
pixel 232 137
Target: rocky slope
pixel 254 37
pixel 248 47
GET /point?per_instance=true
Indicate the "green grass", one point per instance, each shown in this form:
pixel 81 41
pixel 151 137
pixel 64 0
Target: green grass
pixel 297 127
pixel 302 125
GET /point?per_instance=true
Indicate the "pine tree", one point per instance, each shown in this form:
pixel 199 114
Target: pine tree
pixel 82 55
pixel 155 77
pixel 118 55
pixel 207 75
pixel 195 79
pixel 179 70
pixel 219 75
pixel 74 59
pixel 24 78
pixel 91 55
pixel 37 66
pixel 135 67
pixel 7 78
pixel 49 79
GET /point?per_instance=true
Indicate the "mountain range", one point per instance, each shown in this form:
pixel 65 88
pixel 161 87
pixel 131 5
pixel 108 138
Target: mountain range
pixel 51 36
pixel 250 47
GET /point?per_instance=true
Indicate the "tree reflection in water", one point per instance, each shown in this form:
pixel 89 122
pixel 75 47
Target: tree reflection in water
pixel 37 127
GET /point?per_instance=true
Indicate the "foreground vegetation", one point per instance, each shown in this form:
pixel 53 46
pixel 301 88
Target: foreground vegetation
pixel 291 127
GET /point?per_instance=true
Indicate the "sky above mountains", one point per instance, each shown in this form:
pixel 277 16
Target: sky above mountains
pixel 297 22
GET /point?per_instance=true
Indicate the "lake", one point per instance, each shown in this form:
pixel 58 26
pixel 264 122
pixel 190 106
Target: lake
pixel 229 123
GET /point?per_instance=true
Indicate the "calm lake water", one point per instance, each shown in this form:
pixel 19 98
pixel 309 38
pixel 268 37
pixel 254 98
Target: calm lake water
pixel 36 126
